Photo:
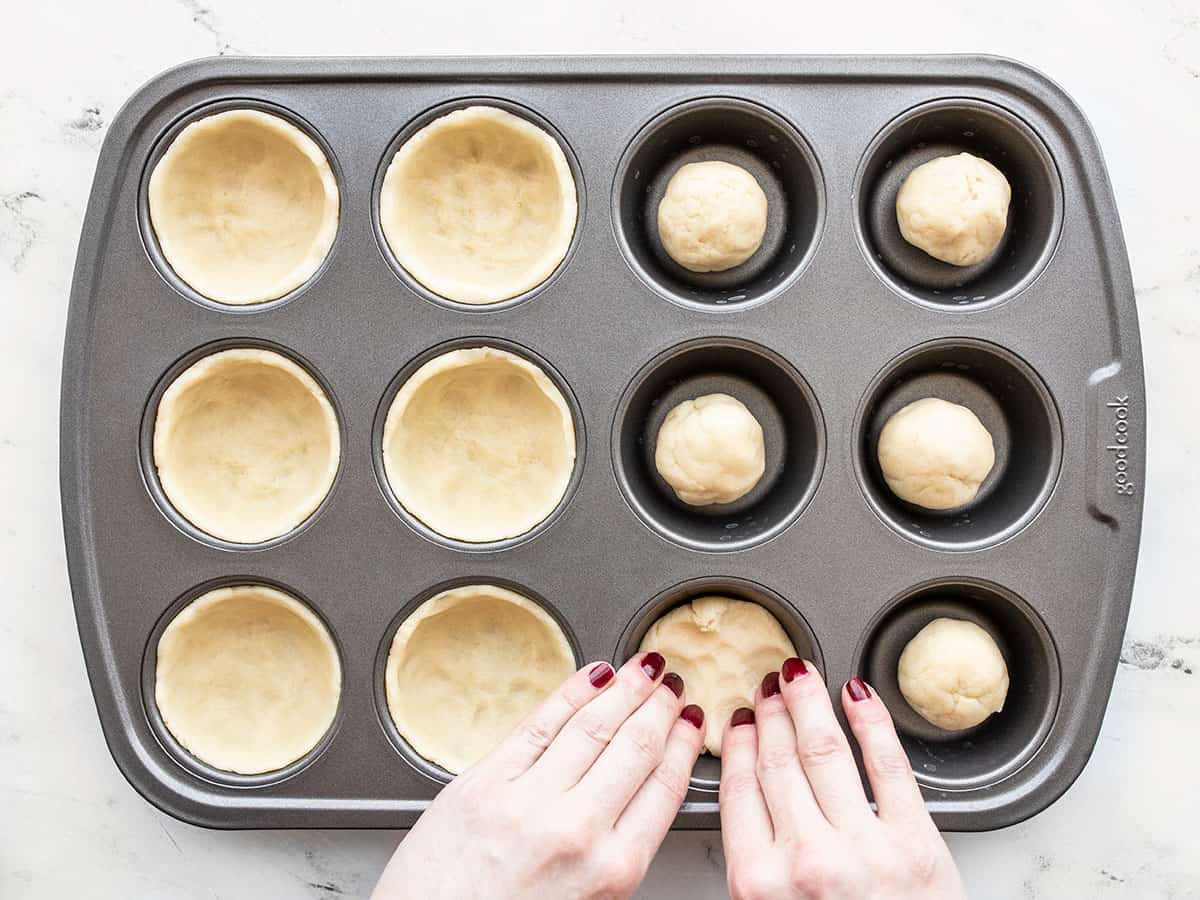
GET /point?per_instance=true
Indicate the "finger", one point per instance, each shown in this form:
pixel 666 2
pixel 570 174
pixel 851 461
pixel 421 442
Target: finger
pixel 589 731
pixel 633 754
pixel 823 749
pixel 648 816
pixel 789 798
pixel 745 824
pixel 897 796
pixel 529 740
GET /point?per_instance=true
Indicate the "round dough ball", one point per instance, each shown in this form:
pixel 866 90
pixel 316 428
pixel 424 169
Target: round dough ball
pixel 247 679
pixel 467 667
pixel 955 208
pixel 479 205
pixel 712 216
pixel 479 445
pixel 244 206
pixel 935 454
pixel 710 450
pixel 953 674
pixel 722 648
pixel 246 444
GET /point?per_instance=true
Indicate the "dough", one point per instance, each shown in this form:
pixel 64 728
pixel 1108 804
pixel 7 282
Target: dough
pixel 953 674
pixel 710 450
pixel 247 679
pixel 935 454
pixel 479 205
pixel 244 205
pixel 955 208
pixel 246 444
pixel 712 216
pixel 467 667
pixel 722 648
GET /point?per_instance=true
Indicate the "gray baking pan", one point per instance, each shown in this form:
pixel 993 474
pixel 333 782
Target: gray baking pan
pixel 832 326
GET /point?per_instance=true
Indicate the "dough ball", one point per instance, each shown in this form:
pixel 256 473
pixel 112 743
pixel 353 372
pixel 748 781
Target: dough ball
pixel 710 450
pixel 479 444
pixel 244 206
pixel 712 216
pixel 246 444
pixel 955 208
pixel 935 454
pixel 247 679
pixel 467 666
pixel 722 648
pixel 479 205
pixel 953 674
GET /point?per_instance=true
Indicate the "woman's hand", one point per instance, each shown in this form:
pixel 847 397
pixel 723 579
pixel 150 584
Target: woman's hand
pixel 795 820
pixel 574 804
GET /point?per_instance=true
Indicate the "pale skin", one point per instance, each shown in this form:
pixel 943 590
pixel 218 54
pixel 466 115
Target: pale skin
pixel 576 802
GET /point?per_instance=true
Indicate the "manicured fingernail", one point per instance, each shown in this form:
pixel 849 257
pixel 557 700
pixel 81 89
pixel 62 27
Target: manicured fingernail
pixel 793 668
pixel 600 674
pixel 674 682
pixel 653 665
pixel 858 690
pixel 770 684
pixel 742 716
pixel 693 714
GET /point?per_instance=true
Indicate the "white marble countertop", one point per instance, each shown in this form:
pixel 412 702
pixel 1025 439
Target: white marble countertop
pixel 71 826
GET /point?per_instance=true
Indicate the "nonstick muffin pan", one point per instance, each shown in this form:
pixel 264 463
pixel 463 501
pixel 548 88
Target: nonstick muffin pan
pixel 835 325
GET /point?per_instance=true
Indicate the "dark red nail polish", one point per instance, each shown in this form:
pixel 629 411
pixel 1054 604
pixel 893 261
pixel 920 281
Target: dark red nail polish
pixel 653 665
pixel 857 689
pixel 770 685
pixel 694 715
pixel 674 682
pixel 793 668
pixel 600 674
pixel 742 716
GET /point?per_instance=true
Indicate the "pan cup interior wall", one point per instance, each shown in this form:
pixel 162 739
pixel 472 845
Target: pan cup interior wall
pixel 793 436
pixel 945 128
pixel 706 775
pixel 1001 744
pixel 1011 402
pixel 733 131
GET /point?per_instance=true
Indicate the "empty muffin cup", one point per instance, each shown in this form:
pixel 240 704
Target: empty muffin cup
pixel 243 206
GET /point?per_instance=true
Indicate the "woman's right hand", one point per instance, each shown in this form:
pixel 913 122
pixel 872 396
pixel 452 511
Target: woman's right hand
pixel 795 819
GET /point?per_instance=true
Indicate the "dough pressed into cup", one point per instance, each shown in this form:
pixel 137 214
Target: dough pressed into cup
pixel 479 205
pixel 244 206
pixel 710 450
pixel 953 674
pixel 479 444
pixel 712 216
pixel 467 666
pixel 246 444
pixel 722 648
pixel 247 679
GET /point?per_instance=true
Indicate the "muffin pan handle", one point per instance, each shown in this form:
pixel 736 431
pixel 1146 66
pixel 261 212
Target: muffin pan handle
pixel 1116 407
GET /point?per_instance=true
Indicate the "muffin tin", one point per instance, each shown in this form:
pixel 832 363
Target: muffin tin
pixel 822 338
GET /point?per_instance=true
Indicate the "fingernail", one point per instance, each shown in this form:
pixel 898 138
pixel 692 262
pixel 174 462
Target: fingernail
pixel 653 664
pixel 793 668
pixel 674 682
pixel 600 674
pixel 770 684
pixel 858 690
pixel 693 714
pixel 742 716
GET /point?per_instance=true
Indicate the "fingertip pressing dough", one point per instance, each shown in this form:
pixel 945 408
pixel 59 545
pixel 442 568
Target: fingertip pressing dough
pixel 247 679
pixel 479 444
pixel 955 208
pixel 467 667
pixel 244 206
pixel 722 648
pixel 935 454
pixel 246 444
pixel 479 205
pixel 953 674
pixel 710 450
pixel 712 216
